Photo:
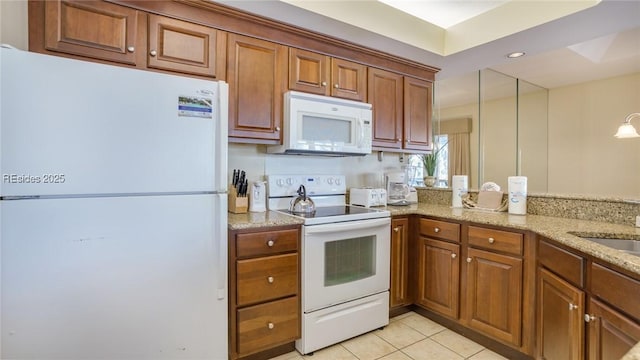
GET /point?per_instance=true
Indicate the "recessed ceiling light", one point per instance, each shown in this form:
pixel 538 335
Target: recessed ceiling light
pixel 516 54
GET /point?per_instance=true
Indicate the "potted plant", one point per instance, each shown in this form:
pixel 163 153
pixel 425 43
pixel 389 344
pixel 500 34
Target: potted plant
pixel 430 161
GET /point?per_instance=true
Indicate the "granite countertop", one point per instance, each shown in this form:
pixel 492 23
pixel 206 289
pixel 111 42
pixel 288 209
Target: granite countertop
pixel 556 228
pixel 252 220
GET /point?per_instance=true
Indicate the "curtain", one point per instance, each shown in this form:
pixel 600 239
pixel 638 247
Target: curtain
pixel 458 131
pixel 459 155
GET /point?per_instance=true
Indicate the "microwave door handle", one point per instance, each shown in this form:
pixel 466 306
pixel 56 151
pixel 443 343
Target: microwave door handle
pixel 360 133
pixel 350 225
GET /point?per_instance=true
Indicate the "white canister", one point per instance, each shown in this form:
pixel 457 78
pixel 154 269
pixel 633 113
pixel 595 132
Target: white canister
pixel 517 195
pixel 459 187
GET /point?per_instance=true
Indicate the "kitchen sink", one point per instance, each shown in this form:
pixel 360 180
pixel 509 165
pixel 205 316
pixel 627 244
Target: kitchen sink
pixel 629 246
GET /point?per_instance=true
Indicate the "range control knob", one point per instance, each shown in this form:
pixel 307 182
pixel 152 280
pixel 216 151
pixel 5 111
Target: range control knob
pixel 338 181
pixel 289 181
pixel 280 182
pixel 329 181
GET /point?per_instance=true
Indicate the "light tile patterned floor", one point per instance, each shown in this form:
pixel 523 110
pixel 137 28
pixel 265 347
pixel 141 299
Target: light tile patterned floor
pixel 407 337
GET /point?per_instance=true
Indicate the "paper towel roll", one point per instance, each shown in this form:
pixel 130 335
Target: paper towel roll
pixel 459 187
pixel 517 195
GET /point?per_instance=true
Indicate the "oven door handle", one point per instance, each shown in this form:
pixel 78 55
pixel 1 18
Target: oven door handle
pixel 346 226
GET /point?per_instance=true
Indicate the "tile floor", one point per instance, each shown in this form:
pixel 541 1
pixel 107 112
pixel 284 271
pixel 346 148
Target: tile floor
pixel 407 337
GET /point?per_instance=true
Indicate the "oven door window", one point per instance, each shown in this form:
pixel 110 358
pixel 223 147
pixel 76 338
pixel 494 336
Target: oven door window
pixel 349 260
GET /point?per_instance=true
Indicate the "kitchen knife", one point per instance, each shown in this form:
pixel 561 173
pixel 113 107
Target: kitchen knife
pixel 242 177
pixel 234 179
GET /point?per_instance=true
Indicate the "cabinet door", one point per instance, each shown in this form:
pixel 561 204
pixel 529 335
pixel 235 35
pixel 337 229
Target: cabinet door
pixel 308 71
pixel 385 94
pixel 91 28
pixel 560 324
pixel 417 114
pixel 257 74
pixel 348 80
pixel 438 276
pixel 611 334
pixel 399 294
pixel 494 295
pixel 185 47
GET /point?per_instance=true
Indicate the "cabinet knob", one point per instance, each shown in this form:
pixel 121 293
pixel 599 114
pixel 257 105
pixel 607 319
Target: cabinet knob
pixel 270 243
pixel 453 256
pixel 131 49
pixel 436 230
pixel 324 83
pixel 396 229
pixel 277 128
pixel 572 306
pixel 271 325
pixel 491 240
pixel 469 259
pixel 153 53
pixel 336 86
pixel 589 317
pixel 270 279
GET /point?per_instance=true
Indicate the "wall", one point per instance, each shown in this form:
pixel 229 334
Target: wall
pixel 359 171
pixel 584 157
pixel 14 28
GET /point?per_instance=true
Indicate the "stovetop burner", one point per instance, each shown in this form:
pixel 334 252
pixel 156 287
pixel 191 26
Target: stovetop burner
pixel 325 211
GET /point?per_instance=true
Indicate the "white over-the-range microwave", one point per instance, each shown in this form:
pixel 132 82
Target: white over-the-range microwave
pixel 323 125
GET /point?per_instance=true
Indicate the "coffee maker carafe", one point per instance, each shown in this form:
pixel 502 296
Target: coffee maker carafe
pixel 397 188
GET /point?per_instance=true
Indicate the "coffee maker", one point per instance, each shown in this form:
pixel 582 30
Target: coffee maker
pixel 398 190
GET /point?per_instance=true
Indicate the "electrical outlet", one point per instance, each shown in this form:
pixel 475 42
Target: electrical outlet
pixel 638 221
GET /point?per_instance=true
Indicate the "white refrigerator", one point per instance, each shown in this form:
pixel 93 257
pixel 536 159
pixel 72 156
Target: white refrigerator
pixel 113 212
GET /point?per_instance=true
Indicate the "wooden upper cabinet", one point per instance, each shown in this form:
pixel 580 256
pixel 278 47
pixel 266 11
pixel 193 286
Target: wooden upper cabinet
pixel 93 29
pixel 417 114
pixel 323 75
pixel 185 47
pixel 385 94
pixel 256 73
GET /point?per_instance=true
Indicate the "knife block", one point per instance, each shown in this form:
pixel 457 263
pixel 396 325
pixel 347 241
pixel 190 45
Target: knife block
pixel 237 205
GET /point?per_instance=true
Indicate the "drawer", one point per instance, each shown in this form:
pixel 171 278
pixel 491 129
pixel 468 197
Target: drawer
pixel 440 229
pixel 266 278
pixel 617 289
pixel 495 240
pixel 565 264
pixel 266 243
pixel 267 325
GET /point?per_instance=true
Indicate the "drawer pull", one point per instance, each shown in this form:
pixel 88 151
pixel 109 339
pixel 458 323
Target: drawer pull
pixel 270 243
pixel 437 229
pixel 453 256
pixel 589 318
pixel 270 279
pixel 271 325
pixel 572 306
pixel 491 240
pixel 469 259
pixel 131 49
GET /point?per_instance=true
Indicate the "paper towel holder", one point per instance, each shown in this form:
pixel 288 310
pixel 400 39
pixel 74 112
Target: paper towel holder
pixel 626 130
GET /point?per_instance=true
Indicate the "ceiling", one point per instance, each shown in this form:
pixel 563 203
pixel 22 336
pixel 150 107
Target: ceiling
pixel 565 42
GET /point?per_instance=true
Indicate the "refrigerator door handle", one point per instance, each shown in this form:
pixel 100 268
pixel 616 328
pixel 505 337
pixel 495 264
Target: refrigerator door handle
pixel 220 225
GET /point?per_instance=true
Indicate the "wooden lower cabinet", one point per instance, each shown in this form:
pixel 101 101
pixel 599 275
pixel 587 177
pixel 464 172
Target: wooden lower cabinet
pixel 264 290
pixel 610 334
pixel 560 318
pixel 439 276
pixel 494 295
pixel 399 287
pixel 257 77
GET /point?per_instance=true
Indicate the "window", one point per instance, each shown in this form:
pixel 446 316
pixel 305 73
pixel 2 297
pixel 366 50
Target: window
pixel 442 167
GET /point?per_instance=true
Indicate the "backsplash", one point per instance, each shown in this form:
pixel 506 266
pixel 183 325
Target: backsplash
pixel 613 210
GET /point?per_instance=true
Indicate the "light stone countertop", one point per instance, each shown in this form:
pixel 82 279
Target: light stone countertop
pixel 555 228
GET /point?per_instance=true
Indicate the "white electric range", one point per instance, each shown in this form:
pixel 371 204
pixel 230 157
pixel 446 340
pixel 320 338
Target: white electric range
pixel 345 260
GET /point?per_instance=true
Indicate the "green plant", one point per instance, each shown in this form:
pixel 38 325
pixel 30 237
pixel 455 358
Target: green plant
pixel 429 161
